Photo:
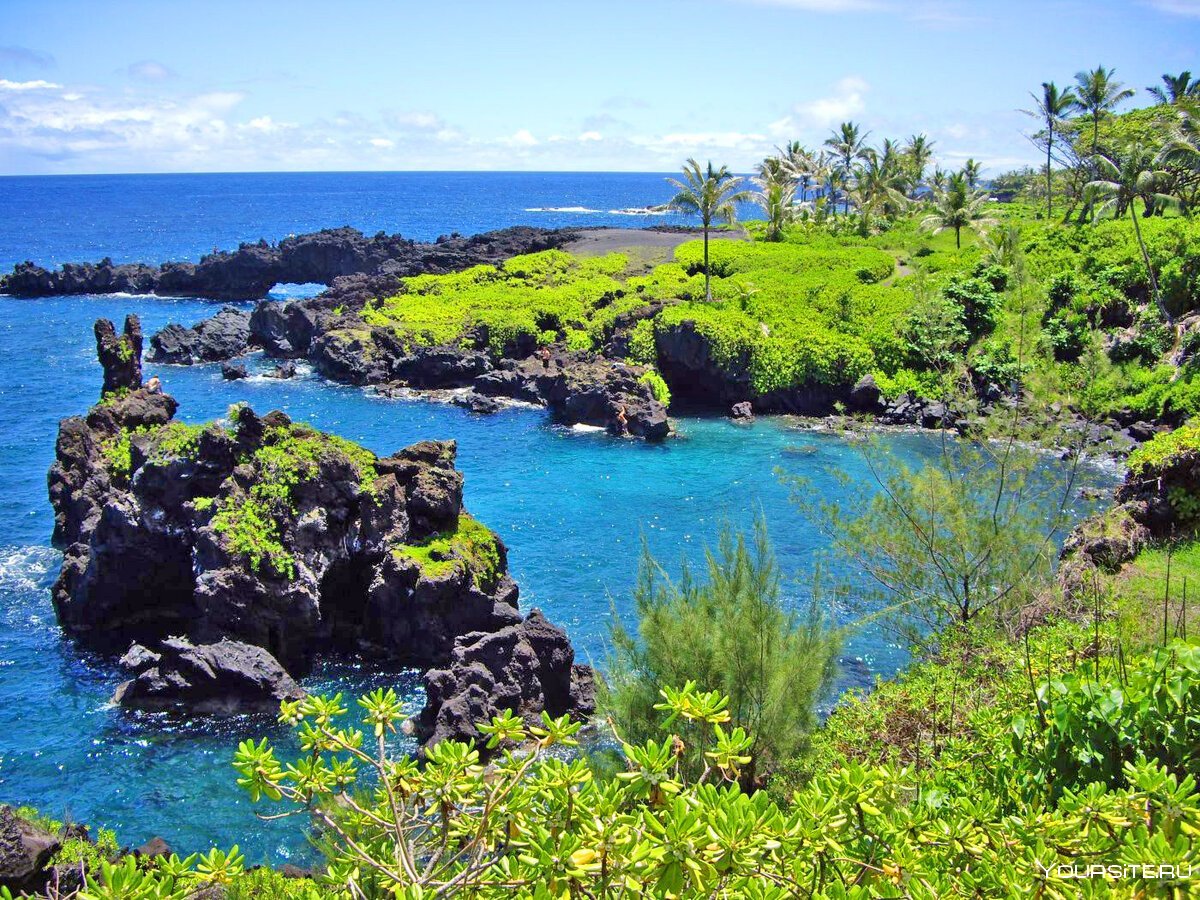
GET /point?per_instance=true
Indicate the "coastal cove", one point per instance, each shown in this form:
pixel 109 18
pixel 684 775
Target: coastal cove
pixel 572 506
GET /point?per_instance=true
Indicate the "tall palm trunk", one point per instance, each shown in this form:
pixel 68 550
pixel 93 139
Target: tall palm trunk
pixel 1137 229
pixel 958 237
pixel 707 271
pixel 1049 182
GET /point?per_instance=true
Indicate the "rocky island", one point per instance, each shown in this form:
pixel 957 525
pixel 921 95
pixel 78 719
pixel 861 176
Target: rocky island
pixel 222 558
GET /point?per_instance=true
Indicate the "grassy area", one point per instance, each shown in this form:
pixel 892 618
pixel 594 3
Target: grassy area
pixel 470 547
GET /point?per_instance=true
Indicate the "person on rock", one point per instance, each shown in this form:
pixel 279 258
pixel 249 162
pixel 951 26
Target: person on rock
pixel 154 385
pixel 622 421
pixel 544 356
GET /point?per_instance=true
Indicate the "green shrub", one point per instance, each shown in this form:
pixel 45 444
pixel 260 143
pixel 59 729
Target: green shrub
pixel 1096 729
pixel 1162 449
pixel 470 548
pixel 642 350
pixel 658 387
pixel 733 633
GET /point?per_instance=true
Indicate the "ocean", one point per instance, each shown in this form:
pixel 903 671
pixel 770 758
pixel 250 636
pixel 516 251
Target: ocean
pixel 574 508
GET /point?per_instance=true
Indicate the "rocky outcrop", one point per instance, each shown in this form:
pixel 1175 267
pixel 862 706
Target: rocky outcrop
pixel 264 532
pixel 251 270
pixel 25 853
pixel 120 355
pixel 687 362
pixel 224 677
pixel 221 337
pixel 526 667
pixel 1143 510
pixel 579 388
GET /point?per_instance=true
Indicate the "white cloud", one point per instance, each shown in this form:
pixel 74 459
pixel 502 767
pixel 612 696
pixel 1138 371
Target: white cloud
pixel 264 124
pixel 419 119
pixel 847 100
pixel 523 138
pixel 150 70
pixel 1189 8
pixel 38 85
pixel 85 129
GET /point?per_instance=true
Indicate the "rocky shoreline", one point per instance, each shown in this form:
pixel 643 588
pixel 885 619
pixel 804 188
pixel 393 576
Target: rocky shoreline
pixel 222 559
pixel 596 389
pixel 251 270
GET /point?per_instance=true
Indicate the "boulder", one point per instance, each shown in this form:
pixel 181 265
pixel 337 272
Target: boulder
pixel 283 371
pixel 221 337
pixel 25 852
pixel 865 396
pixel 283 329
pixel 480 404
pixel 526 668
pixel 224 677
pixel 741 411
pixel 234 372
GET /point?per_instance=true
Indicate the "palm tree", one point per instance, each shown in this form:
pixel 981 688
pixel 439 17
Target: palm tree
pixel 937 180
pixel 971 170
pixel 1097 92
pixel 776 191
pixel 712 194
pixel 879 186
pixel 1181 154
pixel 800 163
pixel 919 151
pixel 957 207
pixel 1176 88
pixel 1122 180
pixel 1002 246
pixel 846 144
pixel 1052 107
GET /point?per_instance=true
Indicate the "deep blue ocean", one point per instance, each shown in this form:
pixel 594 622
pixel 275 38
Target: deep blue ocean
pixel 572 507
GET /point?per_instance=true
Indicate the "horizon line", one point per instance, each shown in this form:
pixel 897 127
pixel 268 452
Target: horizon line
pixel 347 172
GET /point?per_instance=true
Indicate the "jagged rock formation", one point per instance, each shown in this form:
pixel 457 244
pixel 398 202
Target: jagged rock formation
pixel 221 337
pixel 227 676
pixel 251 270
pixel 526 667
pixel 266 532
pixel 120 354
pixel 25 852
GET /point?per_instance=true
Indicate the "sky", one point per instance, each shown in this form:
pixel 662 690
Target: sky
pixel 115 86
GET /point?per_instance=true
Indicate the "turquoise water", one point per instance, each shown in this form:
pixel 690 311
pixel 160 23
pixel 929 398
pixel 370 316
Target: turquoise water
pixel 572 507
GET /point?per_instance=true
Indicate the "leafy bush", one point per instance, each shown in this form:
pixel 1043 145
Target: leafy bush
pixel 1165 448
pixel 1096 729
pixel 642 351
pixel 934 332
pixel 658 387
pixel 979 301
pixel 534 825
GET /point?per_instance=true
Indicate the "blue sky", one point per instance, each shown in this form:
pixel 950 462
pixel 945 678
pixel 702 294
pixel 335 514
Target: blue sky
pixel 256 86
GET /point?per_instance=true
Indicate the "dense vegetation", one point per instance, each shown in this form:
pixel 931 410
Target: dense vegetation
pixel 1033 748
pixel 872 262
